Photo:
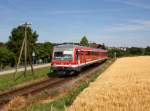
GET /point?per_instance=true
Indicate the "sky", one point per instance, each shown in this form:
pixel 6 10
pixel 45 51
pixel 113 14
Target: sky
pixel 113 22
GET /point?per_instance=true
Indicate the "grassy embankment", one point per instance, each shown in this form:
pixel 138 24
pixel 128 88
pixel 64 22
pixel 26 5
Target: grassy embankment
pixel 66 100
pixel 7 81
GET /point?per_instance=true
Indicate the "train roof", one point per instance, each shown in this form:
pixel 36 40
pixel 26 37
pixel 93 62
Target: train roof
pixel 72 46
pixel 66 46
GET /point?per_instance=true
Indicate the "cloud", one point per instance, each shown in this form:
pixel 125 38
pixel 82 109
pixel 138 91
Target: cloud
pixel 135 3
pixel 133 25
pixel 59 12
pixel 70 12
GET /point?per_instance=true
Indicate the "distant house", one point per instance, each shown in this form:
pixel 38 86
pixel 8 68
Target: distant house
pixel 123 48
pixel 119 48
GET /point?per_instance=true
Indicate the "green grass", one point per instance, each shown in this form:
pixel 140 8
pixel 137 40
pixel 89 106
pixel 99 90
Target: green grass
pixel 67 99
pixel 7 81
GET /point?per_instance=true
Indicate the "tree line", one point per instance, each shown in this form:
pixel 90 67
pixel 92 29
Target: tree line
pixel 9 51
pixel 132 51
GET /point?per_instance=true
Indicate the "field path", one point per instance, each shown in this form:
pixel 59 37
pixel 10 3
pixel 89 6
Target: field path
pixel 124 86
pixel 22 69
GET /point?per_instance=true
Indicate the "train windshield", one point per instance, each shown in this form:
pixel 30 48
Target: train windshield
pixel 63 55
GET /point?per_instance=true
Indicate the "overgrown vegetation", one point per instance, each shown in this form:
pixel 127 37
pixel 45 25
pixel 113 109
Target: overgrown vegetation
pixel 67 99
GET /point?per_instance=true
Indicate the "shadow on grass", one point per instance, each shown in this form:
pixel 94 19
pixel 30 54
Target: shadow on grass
pixel 52 74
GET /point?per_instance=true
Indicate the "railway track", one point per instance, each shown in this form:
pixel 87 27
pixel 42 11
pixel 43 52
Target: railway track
pixel 47 83
pixel 30 89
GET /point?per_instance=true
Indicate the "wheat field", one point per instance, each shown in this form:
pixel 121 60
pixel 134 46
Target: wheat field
pixel 124 86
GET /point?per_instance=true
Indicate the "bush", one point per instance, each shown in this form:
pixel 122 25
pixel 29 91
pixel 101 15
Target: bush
pixel 147 50
pixel 119 53
pixel 135 51
pixel 6 57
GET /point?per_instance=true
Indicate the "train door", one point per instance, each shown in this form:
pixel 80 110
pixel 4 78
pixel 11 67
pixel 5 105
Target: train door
pixel 78 56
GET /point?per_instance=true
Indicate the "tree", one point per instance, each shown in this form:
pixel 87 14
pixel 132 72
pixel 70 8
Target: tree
pixel 103 46
pixel 6 57
pixel 84 41
pixel 43 50
pixel 147 50
pixel 135 51
pixel 16 39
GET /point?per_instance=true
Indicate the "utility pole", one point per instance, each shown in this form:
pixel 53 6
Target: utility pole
pixel 25 46
pixel 25 49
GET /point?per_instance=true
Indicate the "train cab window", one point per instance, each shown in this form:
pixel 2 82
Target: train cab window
pixel 58 54
pixel 63 56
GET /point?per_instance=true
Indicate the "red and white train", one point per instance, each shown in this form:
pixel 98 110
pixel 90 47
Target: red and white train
pixel 71 58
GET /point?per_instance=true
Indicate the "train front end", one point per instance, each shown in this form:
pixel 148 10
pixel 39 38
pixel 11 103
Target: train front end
pixel 63 59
